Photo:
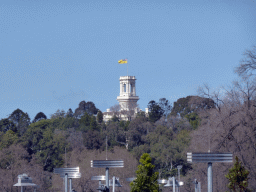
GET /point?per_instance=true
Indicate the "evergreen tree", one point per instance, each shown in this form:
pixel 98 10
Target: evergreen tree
pixel 193 119
pixel 69 113
pixel 146 179
pixel 39 116
pixel 20 119
pixel 93 123
pixel 238 177
pixel 155 111
pixel 85 119
pixel 99 116
pixel 6 125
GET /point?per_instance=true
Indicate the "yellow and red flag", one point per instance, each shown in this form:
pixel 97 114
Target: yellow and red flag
pixel 122 61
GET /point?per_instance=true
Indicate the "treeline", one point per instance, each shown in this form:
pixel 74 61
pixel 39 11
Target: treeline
pixel 43 142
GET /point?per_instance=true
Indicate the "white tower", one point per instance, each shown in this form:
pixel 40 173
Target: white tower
pixel 127 98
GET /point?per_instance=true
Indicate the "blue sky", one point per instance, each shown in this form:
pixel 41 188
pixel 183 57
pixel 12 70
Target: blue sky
pixel 56 53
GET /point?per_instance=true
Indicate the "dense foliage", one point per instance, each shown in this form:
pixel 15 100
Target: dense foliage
pixel 146 178
pixel 238 177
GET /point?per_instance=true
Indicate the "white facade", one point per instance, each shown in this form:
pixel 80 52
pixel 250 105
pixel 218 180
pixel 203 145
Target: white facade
pixel 127 100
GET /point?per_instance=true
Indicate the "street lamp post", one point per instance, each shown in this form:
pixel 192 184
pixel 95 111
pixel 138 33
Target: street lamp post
pixel 179 168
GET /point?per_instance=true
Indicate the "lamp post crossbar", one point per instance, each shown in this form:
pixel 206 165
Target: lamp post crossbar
pixel 107 164
pixel 209 158
pixel 68 173
pixel 66 170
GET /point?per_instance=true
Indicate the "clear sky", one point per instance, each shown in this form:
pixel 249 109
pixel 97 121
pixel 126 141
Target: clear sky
pixel 56 53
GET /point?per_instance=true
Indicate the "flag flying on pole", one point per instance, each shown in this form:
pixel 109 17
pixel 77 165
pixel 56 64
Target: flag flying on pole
pixel 122 61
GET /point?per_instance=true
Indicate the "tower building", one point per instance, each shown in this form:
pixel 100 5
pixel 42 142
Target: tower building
pixel 127 100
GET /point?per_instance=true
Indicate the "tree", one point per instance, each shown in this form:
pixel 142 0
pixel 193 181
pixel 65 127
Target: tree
pixel 190 104
pixel 229 128
pixel 155 111
pixel 137 130
pixel 58 114
pixel 68 122
pixel 85 119
pixel 128 110
pixel 12 160
pixel 115 119
pixel 146 178
pixel 6 124
pixel 116 110
pixel 8 139
pixel 39 116
pixel 99 117
pixel 88 107
pixel 193 119
pixel 93 139
pixel 52 146
pixel 246 90
pixel 34 135
pixel 165 106
pixel 93 123
pixel 20 119
pixel 248 64
pixel 238 177
pixel 69 113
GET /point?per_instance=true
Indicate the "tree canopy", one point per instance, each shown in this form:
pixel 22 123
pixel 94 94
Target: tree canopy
pixel 88 107
pixel 20 119
pixel 146 178
pixel 190 104
pixel 238 177
pixel 155 111
pixel 39 116
pixel 6 124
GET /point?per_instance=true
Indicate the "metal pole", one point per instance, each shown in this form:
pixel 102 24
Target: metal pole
pixel 99 185
pixel 66 182
pixel 70 184
pixel 106 147
pixel 179 167
pixel 209 176
pixel 179 180
pixel 173 183
pixel 195 182
pixel 21 189
pixel 196 189
pixel 107 180
pixel 199 186
pixel 114 183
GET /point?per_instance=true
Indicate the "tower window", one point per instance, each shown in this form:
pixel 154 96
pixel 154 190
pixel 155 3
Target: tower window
pixel 124 87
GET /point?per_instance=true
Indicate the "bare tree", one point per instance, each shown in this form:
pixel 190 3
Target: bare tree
pixel 247 90
pixel 231 128
pixel 204 91
pixel 58 114
pixel 116 110
pixel 14 161
pixel 248 64
pixel 129 111
pixel 82 158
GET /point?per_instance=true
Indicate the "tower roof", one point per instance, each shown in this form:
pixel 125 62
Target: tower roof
pixel 127 77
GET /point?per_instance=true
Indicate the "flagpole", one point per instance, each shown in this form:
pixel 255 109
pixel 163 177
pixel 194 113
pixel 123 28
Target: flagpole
pixel 127 69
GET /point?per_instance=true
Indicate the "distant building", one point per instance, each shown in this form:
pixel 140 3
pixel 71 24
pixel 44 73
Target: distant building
pixel 127 99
